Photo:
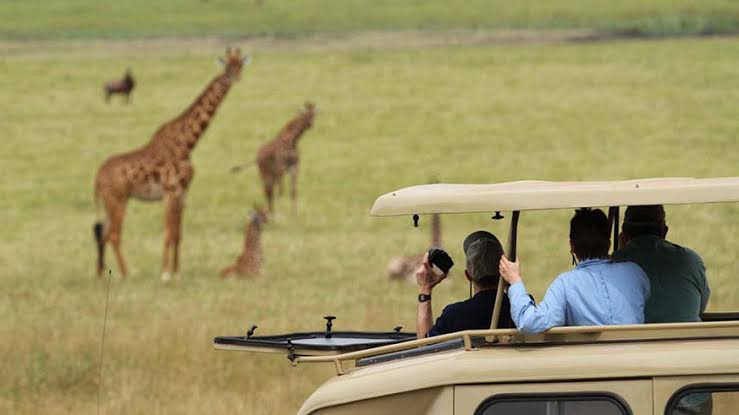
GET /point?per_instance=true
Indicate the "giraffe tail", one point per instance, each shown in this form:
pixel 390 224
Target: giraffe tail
pixel 97 230
pixel 228 271
pixel 239 167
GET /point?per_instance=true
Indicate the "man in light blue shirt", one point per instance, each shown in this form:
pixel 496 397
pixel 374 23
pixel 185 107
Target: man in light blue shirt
pixel 596 292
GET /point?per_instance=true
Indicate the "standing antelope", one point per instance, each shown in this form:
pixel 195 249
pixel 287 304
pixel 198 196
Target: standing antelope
pixel 250 260
pixel 281 156
pixel 122 86
pixel 404 267
pixel 161 169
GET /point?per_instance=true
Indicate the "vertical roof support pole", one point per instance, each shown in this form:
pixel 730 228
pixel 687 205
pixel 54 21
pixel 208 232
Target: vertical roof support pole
pixel 502 285
pixel 613 219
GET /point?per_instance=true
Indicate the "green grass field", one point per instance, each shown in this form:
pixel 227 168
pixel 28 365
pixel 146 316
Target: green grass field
pixel 398 106
pixel 388 119
pixel 43 19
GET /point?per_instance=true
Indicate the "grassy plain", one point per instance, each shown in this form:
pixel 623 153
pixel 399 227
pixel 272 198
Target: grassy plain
pixel 34 19
pixel 388 119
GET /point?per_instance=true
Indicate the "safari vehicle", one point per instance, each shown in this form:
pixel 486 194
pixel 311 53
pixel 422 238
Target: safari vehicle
pixel 671 369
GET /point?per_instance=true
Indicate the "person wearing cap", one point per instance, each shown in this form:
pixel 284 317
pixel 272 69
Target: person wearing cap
pixel 677 275
pixel 482 254
pixel 596 292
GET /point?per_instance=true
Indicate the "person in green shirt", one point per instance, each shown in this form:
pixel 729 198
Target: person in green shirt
pixel 677 275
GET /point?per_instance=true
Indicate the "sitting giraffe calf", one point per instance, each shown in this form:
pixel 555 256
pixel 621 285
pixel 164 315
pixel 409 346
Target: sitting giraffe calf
pixel 404 267
pixel 250 260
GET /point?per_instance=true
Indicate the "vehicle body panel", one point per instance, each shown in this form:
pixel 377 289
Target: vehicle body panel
pixel 531 364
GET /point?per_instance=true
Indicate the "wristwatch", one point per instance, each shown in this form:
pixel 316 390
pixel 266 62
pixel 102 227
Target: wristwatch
pixel 422 298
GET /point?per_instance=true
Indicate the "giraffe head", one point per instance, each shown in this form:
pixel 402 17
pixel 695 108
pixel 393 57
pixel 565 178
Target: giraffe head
pixel 309 112
pixel 257 216
pixel 233 62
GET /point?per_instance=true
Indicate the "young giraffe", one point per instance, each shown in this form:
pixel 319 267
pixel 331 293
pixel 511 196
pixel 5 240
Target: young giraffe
pixel 280 156
pixel 250 260
pixel 404 267
pixel 161 169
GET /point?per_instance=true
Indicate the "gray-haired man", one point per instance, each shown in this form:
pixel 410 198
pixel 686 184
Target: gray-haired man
pixel 482 255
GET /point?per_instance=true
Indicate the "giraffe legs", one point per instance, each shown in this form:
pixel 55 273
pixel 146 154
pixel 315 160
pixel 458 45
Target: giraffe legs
pixel 294 187
pixel 112 231
pixel 172 230
pixel 278 184
pixel 269 194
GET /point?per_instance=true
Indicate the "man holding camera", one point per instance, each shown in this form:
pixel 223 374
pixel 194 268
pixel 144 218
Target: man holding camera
pixel 482 252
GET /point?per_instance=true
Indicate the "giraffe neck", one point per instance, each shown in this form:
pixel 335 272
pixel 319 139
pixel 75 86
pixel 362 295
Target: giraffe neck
pixel 252 241
pixel 436 230
pixel 295 128
pixel 185 130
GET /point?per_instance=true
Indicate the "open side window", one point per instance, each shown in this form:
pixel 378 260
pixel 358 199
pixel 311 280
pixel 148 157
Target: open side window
pixel 554 404
pixel 705 399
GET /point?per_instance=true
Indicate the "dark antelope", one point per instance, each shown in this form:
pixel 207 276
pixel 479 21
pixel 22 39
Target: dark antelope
pixel 122 86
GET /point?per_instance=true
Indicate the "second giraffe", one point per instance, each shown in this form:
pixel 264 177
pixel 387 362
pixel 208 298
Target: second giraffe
pixel 281 156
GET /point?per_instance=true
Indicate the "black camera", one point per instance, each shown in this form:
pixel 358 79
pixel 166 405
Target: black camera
pixel 440 261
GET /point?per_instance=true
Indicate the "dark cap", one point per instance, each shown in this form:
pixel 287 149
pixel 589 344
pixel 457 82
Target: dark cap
pixel 476 235
pixel 644 219
pixel 482 251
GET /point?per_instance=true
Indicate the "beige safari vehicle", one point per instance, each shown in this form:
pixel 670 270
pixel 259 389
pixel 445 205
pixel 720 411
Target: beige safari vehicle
pixel 671 369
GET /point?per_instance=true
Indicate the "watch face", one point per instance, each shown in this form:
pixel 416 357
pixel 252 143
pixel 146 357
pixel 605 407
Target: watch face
pixel 423 298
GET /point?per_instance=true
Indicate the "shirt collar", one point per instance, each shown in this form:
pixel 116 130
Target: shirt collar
pixel 646 238
pixel 592 261
pixel 485 293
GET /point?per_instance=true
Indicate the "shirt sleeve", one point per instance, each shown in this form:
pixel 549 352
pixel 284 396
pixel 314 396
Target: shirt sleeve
pixel 644 278
pixel 531 318
pixel 443 324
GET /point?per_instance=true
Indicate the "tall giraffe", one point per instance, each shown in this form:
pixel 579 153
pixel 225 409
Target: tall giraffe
pixel 161 169
pixel 405 266
pixel 281 156
pixel 250 260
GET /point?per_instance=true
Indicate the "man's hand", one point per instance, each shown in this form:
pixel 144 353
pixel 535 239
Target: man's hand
pixel 425 278
pixel 510 271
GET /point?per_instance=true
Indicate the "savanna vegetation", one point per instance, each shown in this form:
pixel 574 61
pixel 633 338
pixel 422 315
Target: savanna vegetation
pixel 41 19
pixel 388 119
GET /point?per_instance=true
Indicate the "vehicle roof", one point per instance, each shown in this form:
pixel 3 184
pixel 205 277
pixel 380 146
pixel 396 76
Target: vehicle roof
pixel 537 195
pixel 531 363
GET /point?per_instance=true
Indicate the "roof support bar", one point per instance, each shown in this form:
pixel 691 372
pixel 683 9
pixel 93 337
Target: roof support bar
pixel 613 219
pixel 502 285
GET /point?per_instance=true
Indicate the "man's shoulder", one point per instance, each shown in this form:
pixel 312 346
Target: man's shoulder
pixel 632 251
pixel 478 300
pixel 687 252
pixel 626 266
pixel 453 307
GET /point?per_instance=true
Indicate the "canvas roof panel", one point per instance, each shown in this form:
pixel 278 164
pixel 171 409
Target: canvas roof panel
pixel 539 195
